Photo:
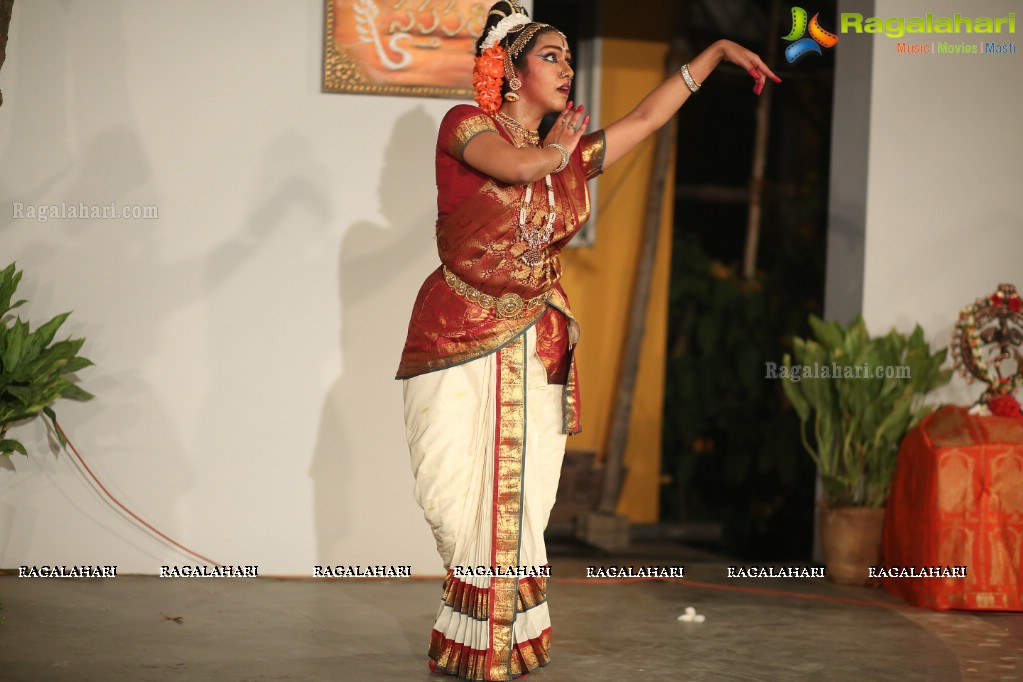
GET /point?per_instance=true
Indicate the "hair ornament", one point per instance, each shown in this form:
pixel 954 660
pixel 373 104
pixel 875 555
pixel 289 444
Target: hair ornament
pixel 487 76
pixel 512 22
pixel 526 35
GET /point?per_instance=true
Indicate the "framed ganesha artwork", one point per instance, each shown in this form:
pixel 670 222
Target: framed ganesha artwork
pixel 402 47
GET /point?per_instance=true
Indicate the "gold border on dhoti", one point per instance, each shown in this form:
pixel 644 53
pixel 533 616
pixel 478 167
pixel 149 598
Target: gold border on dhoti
pixel 509 461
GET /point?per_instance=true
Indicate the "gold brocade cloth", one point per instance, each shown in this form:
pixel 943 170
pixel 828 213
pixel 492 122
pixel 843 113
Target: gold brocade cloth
pixel 957 501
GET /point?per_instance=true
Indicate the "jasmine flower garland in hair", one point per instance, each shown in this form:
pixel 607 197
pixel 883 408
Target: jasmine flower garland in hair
pixel 503 27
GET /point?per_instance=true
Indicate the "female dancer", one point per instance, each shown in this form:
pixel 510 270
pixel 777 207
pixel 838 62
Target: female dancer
pixel 489 379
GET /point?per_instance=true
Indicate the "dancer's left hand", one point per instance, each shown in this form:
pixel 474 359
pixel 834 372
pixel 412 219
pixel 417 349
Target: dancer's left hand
pixel 749 62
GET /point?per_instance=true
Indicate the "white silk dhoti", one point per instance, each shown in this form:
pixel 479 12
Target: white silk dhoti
pixel 486 443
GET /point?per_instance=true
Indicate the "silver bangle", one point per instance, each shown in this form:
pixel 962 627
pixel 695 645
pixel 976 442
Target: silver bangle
pixel 564 155
pixel 690 81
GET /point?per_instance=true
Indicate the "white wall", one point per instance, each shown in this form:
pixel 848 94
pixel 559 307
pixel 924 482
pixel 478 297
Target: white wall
pixel 944 160
pixel 245 341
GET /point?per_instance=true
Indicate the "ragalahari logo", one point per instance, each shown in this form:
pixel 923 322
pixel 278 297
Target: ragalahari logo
pixel 803 46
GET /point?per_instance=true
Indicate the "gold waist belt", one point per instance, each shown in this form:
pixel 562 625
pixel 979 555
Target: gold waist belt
pixel 507 306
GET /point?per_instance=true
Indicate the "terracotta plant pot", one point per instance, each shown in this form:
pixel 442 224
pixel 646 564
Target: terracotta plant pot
pixel 851 540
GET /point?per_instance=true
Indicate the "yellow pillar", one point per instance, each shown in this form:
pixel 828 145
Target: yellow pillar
pixel 600 280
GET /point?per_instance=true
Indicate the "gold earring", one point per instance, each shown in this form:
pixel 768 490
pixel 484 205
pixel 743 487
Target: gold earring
pixel 513 85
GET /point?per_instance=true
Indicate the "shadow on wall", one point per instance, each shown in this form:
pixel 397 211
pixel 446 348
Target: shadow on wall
pixel 359 448
pixel 77 138
pixel 289 210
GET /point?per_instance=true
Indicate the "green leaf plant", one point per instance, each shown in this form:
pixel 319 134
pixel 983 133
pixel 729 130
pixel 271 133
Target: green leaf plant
pixel 857 397
pixel 34 370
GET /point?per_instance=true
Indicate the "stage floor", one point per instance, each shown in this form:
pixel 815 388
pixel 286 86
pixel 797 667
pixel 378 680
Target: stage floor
pixel 145 628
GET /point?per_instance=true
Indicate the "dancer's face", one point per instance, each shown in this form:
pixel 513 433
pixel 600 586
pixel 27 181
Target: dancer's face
pixel 547 73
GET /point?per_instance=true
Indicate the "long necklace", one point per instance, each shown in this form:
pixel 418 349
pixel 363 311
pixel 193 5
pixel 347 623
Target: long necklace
pixel 536 239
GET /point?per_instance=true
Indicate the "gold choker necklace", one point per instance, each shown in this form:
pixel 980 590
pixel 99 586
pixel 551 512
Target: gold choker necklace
pixel 530 136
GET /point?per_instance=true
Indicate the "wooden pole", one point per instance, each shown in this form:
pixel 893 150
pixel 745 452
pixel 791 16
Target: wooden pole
pixel 756 187
pixel 614 463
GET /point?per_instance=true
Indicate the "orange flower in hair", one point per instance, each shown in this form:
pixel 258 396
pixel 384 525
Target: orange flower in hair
pixel 487 77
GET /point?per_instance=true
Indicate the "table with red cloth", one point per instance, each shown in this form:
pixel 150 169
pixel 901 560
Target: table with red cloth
pixel 957 500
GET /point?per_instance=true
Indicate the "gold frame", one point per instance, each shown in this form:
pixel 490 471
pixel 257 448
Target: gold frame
pixel 435 61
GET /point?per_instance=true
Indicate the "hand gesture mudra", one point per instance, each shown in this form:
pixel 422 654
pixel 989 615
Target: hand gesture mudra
pixel 569 128
pixel 749 62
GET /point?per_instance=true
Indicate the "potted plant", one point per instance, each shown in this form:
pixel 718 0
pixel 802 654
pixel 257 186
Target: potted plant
pixel 857 397
pixel 34 370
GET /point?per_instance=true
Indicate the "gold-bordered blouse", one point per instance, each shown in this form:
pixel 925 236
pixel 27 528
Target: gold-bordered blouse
pixel 478 241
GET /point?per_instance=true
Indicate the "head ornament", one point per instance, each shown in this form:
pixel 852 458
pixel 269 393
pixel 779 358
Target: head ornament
pixel 512 22
pixel 495 58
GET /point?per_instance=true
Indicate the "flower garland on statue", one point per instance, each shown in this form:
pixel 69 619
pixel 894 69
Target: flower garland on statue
pixel 999 385
pixel 1005 406
pixel 999 399
pixel 488 71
